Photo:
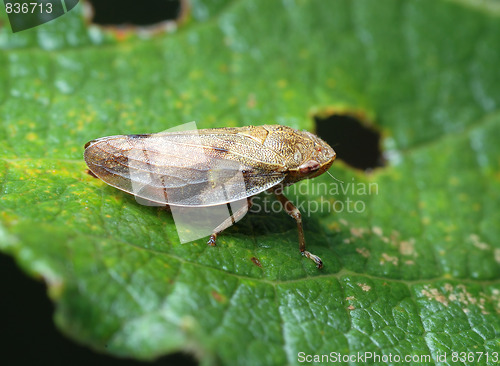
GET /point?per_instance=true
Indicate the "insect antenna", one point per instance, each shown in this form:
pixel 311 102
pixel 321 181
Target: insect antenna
pixel 330 174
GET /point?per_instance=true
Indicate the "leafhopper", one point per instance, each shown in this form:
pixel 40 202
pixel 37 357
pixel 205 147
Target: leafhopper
pixel 188 168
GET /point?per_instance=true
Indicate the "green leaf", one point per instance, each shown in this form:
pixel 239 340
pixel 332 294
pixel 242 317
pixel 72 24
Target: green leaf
pixel 414 272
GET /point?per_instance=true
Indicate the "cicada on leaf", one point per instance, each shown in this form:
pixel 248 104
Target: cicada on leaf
pixel 212 167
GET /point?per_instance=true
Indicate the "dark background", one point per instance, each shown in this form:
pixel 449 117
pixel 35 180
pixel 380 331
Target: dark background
pixel 29 336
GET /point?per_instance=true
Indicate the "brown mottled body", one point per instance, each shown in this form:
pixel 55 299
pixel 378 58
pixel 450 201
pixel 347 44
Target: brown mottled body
pixel 184 168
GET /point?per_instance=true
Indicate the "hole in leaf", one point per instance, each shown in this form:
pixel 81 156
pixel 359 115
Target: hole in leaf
pixel 133 12
pixel 354 142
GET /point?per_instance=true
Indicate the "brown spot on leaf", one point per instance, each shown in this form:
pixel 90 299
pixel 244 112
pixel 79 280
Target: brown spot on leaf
pixel 218 297
pixel 256 262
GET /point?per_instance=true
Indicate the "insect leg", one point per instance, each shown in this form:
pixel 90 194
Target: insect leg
pixel 89 172
pixel 228 222
pixel 294 212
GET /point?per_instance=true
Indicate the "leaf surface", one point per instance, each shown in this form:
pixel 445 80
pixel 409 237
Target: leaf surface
pixel 412 264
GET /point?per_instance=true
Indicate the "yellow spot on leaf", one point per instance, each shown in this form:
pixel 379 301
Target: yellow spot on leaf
pixel 357 232
pixel 387 258
pixel 497 255
pixel 31 136
pixel 407 247
pixel 364 286
pixel 344 222
pixel 195 74
pixel 377 231
pixel 282 83
pixel 363 251
pixel 251 101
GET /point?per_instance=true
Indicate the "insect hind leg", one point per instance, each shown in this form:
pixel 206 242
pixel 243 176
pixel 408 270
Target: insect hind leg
pixel 294 212
pixel 236 216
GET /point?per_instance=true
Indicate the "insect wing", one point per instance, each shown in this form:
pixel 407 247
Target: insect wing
pixel 179 169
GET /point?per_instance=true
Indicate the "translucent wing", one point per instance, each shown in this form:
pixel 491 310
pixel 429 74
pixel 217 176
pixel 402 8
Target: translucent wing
pixel 191 168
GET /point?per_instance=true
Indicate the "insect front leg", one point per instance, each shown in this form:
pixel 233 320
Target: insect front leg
pixel 228 222
pixel 294 212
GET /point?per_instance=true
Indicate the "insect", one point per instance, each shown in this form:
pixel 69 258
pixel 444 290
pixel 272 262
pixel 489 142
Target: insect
pixel 185 168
